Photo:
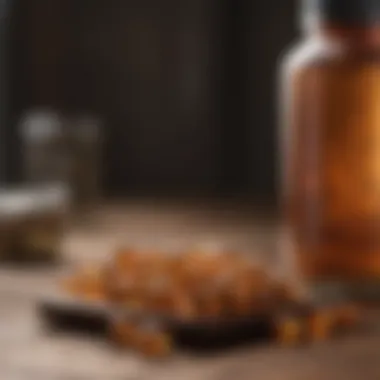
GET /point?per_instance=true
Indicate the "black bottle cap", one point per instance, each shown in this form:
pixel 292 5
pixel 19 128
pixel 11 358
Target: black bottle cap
pixel 345 12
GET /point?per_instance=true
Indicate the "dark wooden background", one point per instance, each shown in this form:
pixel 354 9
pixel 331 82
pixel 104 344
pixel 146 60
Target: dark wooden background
pixel 186 88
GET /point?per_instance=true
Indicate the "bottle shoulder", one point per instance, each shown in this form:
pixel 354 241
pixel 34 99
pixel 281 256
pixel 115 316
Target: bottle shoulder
pixel 318 53
pixel 308 53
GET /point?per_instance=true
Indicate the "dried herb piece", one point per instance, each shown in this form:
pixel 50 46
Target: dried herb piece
pixel 289 330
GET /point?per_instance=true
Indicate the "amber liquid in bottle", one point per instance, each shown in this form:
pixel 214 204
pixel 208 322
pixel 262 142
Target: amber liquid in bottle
pixel 331 159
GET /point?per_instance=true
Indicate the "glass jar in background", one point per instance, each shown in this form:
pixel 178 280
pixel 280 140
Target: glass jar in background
pixel 331 141
pixel 46 157
pixel 65 150
pixel 33 223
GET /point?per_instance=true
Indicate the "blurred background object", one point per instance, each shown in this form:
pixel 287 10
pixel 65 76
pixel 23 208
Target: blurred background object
pixel 33 222
pixel 45 154
pixel 68 151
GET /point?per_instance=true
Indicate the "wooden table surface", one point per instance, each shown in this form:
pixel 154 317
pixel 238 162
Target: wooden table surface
pixel 27 352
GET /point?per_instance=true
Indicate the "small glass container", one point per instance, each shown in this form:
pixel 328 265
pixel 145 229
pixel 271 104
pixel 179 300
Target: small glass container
pixel 32 223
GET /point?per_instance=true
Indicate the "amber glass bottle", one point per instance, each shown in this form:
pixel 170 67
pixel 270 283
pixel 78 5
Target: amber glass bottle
pixel 331 141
